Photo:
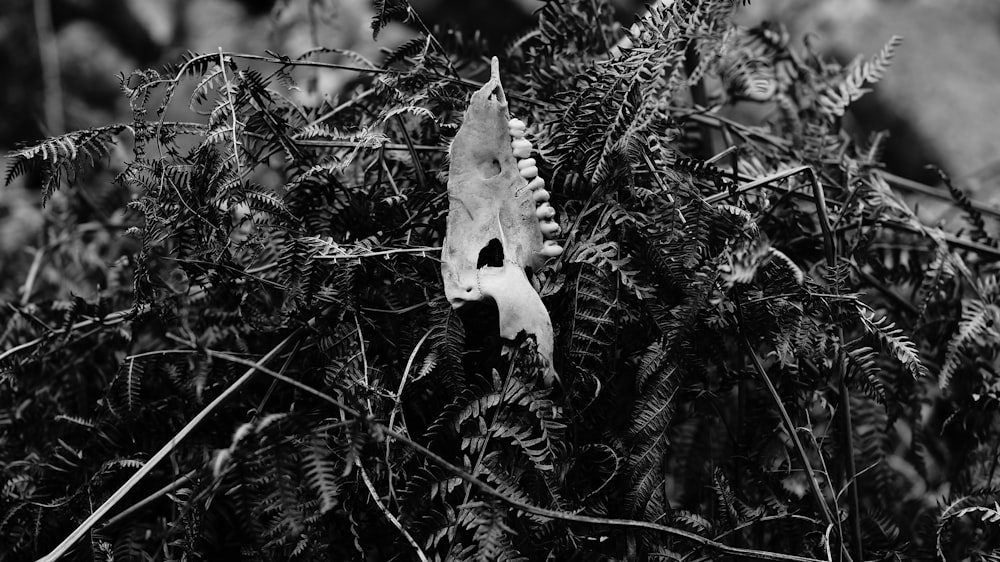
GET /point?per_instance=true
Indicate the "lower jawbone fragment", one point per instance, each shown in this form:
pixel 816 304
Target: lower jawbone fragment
pixel 494 241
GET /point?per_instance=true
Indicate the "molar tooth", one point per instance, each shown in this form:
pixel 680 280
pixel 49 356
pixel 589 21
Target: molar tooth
pixel 522 148
pixel 537 183
pixel 549 228
pixel 551 249
pixel 516 128
pixel 530 172
pixel 526 162
pixel 545 211
pixel 540 195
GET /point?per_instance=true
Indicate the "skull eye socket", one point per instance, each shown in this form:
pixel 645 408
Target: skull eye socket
pixel 491 255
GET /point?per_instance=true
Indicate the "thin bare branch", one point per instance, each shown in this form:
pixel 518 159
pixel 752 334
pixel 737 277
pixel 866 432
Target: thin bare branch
pixel 168 448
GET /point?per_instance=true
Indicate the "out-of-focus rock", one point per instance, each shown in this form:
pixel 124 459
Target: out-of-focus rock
pixel 158 18
pixel 86 55
pixel 118 21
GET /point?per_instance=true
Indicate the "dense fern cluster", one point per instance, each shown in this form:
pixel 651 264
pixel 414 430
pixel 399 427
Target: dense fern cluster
pixel 763 353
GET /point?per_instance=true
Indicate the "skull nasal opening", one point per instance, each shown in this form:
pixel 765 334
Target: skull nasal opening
pixel 491 255
pixel 489 168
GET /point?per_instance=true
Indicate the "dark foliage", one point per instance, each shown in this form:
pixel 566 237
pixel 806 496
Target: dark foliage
pixel 763 353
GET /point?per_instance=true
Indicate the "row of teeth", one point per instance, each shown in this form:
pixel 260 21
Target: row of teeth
pixel 529 171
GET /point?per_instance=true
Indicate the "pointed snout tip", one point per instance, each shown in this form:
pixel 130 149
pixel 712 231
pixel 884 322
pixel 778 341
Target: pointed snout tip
pixel 494 86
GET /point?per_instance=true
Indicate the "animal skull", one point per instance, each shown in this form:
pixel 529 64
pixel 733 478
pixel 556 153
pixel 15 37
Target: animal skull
pixel 495 231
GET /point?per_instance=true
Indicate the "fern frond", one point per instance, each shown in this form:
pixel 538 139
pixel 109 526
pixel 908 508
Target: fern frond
pixel 491 534
pixel 124 391
pixel 834 101
pixel 594 319
pixel 260 201
pixel 944 268
pixel 893 340
pixel 356 57
pixel 745 261
pixel 385 11
pixel 649 432
pixel 63 157
pixel 321 474
pixel 416 110
pixel 426 490
pixel 419 44
pixel 883 523
pixel 532 428
pixel 988 514
pixel 692 521
pixel 747 78
pixel 700 169
pixel 212 79
pixel 447 342
pixel 863 369
pixel 507 482
pixel 524 437
pixel 972 215
pixel 879 64
pixel 978 319
pixel 131 464
pixel 84 422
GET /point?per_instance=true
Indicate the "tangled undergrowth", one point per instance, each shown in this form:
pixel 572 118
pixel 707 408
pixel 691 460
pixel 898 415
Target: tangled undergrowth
pixel 763 353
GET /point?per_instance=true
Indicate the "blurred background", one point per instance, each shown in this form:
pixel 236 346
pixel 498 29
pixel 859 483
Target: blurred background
pixel 61 61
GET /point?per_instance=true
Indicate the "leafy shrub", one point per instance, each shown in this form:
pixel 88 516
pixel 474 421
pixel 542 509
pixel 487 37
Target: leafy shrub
pixel 763 353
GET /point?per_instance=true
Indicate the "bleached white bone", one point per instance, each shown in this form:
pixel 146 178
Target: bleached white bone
pixel 491 208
